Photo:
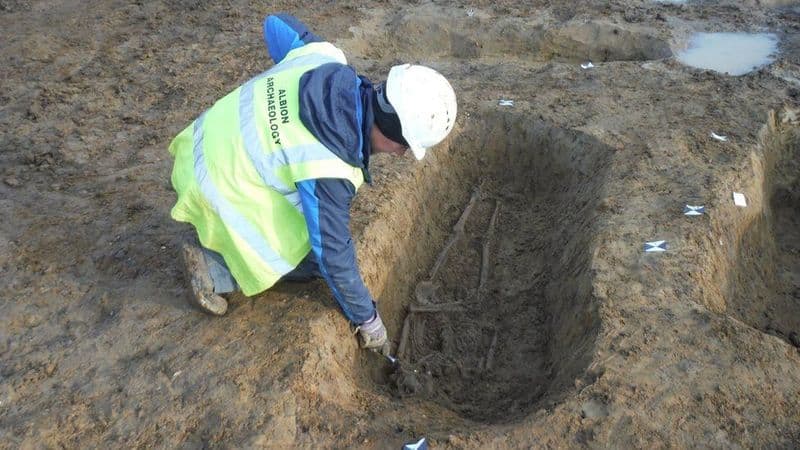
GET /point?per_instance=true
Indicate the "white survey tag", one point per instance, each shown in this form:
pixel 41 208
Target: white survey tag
pixel 719 137
pixel 655 246
pixel 690 210
pixel 421 444
pixel 739 200
pixel 506 103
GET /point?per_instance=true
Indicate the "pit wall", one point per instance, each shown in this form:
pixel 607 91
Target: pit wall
pixel 413 220
pixel 398 225
pixel 743 251
pixel 761 289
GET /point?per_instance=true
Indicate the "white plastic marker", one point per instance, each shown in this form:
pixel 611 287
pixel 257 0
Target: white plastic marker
pixel 587 65
pixel 719 137
pixel 690 210
pixel 506 103
pixel 739 200
pixel 470 12
pixel 421 444
pixel 655 246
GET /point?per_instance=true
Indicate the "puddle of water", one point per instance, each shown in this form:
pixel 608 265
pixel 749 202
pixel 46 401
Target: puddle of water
pixel 731 53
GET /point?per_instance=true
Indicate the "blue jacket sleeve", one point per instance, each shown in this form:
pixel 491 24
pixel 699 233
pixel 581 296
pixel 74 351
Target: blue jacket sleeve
pixel 326 206
pixel 284 33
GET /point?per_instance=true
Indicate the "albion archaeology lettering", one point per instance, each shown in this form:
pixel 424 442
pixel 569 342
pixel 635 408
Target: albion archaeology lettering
pixel 277 110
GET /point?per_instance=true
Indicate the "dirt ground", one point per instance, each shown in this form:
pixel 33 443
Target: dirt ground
pixel 543 325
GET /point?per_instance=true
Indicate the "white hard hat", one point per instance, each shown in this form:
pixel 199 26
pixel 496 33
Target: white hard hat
pixel 425 103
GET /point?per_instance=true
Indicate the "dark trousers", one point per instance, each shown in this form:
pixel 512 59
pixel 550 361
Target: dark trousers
pixel 307 270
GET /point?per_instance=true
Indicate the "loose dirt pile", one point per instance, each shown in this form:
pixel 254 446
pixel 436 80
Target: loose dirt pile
pixel 544 323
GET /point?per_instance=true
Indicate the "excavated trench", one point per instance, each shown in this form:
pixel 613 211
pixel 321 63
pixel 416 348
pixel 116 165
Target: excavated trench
pixel 763 288
pixel 432 31
pixel 502 319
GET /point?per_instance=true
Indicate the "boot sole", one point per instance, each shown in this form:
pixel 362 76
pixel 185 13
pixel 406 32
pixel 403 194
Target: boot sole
pixel 201 288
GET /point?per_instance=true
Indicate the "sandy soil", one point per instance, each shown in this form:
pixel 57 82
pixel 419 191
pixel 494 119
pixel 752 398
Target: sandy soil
pixel 574 338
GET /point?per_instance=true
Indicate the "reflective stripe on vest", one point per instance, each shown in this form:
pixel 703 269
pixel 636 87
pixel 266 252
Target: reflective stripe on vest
pixel 226 211
pixel 308 56
pixel 247 152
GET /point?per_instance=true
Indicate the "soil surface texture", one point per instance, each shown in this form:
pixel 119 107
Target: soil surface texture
pixel 509 265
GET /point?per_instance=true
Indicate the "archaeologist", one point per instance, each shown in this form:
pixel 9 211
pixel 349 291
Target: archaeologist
pixel 266 175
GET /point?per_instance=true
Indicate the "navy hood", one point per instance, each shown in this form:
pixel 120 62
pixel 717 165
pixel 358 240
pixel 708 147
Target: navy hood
pixel 336 107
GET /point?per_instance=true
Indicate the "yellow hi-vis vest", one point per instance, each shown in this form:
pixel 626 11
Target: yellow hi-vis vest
pixel 237 164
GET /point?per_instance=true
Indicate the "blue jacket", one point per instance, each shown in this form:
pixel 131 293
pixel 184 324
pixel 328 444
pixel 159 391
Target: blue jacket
pixel 336 107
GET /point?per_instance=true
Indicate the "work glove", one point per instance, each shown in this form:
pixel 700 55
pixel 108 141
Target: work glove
pixel 372 335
